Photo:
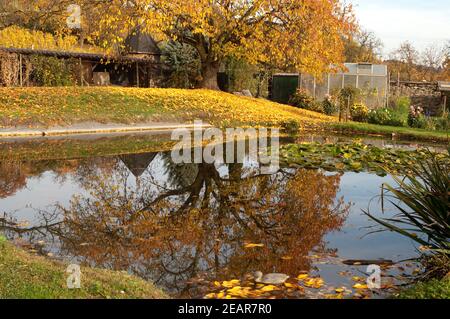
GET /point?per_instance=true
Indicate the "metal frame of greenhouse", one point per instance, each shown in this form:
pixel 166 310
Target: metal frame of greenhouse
pixel 371 79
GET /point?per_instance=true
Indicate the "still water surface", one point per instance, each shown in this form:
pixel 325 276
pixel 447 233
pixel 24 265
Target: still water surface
pixel 181 225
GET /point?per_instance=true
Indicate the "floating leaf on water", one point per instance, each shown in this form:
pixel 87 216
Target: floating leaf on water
pixel 360 286
pixel 231 283
pixel 269 288
pixel 302 276
pixel 315 283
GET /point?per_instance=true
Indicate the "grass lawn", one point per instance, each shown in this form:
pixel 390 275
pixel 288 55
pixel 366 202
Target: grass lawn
pixel 401 132
pixel 435 289
pixel 23 275
pixel 43 107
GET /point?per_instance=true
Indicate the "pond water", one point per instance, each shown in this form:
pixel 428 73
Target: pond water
pixel 184 226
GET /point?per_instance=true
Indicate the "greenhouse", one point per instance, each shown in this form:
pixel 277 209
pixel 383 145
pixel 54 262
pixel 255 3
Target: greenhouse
pixel 371 79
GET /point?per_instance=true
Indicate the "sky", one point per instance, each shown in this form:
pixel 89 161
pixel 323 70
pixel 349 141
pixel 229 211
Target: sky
pixel 422 22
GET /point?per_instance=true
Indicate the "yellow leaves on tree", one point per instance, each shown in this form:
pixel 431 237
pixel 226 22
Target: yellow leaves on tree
pixel 16 37
pixel 301 34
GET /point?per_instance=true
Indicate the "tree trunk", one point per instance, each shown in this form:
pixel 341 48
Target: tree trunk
pixel 209 75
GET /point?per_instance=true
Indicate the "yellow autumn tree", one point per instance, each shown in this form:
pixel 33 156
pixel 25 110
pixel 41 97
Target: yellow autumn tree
pixel 301 34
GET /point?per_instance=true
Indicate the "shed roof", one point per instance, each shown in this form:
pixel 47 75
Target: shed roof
pixel 82 55
pixel 139 42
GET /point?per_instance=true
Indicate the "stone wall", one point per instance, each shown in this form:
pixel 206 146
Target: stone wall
pixel 423 94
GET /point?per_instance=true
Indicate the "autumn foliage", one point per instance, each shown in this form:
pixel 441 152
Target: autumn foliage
pixel 68 105
pixel 17 37
pixel 305 35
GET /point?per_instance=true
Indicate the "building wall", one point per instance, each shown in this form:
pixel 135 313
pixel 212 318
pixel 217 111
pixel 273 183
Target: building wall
pixel 425 95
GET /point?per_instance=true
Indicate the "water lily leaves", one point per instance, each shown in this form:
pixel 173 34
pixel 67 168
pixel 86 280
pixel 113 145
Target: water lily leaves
pixel 353 157
pixel 356 165
pixel 347 155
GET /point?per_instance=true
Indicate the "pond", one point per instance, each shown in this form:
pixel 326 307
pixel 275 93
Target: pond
pixel 189 227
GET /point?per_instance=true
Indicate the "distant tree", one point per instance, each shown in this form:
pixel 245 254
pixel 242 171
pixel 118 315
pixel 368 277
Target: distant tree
pixel 364 46
pixel 433 58
pixel 446 64
pixel 44 15
pixel 403 62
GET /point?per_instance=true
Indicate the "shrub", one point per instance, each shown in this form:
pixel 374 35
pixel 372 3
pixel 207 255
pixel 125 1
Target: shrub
pixel 329 106
pixel 385 116
pixel 290 126
pixel 403 104
pixel 422 122
pixel 183 65
pixel 414 116
pixel 50 71
pixel 425 204
pixel 443 123
pixel 433 289
pixel 416 119
pixel 396 121
pixel 359 112
pixel 302 99
pixel 379 116
pixel 349 94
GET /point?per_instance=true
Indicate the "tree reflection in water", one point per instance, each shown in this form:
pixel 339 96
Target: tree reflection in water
pixel 193 220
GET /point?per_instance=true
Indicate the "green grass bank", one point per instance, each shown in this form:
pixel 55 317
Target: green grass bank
pixel 26 276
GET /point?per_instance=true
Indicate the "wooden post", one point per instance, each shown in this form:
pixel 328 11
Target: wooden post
pixel 347 110
pixel 81 72
pixel 20 71
pixel 388 89
pixel 137 74
pixel 329 82
pixel 445 104
pixel 315 85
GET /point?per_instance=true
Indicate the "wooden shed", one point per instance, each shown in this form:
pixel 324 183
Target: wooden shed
pixel 138 66
pixel 444 89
